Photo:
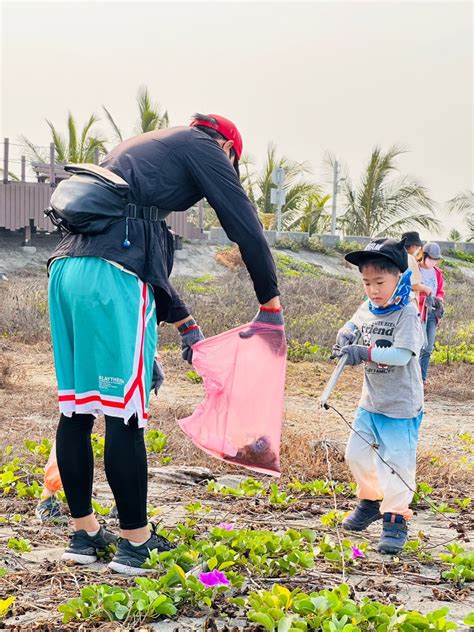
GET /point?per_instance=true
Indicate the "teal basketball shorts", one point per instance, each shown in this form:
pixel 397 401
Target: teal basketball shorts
pixel 103 326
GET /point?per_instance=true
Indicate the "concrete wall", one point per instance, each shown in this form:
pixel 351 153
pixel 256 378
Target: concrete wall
pixel 218 236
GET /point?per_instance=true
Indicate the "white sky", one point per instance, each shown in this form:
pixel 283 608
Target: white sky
pixel 310 76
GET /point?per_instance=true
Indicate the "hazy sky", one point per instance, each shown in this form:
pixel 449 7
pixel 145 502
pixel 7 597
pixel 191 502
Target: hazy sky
pixel 310 76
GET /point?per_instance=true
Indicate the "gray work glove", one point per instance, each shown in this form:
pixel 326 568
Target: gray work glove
pixel 158 376
pixel 438 307
pixel 190 333
pixel 345 336
pixel 355 354
pixel 262 325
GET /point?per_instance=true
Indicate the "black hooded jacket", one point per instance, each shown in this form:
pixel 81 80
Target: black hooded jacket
pixel 173 169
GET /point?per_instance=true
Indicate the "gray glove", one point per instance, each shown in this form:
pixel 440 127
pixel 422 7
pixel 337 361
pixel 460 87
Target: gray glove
pixel 158 376
pixel 438 308
pixel 190 334
pixel 355 354
pixel 345 336
pixel 262 326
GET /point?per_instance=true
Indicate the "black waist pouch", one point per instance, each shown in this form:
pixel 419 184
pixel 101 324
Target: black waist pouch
pixel 90 201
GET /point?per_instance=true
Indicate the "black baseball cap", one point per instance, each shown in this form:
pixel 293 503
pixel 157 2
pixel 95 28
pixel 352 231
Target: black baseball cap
pixel 412 238
pixel 385 249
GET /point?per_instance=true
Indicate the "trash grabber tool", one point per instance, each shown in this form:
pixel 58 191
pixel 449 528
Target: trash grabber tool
pixel 326 394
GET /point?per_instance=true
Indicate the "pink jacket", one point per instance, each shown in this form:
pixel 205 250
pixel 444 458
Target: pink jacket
pixel 439 293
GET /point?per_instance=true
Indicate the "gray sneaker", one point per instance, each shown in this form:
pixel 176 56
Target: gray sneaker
pixel 85 549
pixel 129 559
pixel 50 512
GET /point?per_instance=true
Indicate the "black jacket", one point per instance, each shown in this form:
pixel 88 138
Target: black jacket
pixel 173 169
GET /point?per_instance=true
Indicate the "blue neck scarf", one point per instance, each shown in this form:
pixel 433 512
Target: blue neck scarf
pixel 399 298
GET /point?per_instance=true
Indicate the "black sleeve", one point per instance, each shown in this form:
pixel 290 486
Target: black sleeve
pixel 220 185
pixel 178 309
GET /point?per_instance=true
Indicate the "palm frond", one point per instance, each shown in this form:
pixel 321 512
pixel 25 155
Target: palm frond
pixel 11 175
pixel 149 113
pixel 72 151
pixel 115 127
pixel 34 153
pixel 381 204
pixel 59 144
pixel 462 203
pixel 84 140
pixel 416 220
pixel 470 225
pixel 94 143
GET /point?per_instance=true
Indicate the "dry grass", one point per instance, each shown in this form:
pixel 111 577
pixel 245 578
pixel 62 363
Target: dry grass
pixel 6 371
pixel 230 258
pixel 24 308
pixel 454 381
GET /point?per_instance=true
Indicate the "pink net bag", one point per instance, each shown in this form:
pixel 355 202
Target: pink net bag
pixel 240 418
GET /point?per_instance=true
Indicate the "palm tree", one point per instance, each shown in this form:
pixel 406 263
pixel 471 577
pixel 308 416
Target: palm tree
pixel 383 205
pixel 259 186
pixel 454 235
pixel 312 217
pixel 470 225
pixel 79 147
pixel 463 203
pixel 149 116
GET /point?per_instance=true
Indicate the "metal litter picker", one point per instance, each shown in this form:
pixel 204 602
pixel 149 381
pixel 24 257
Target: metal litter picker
pixel 336 374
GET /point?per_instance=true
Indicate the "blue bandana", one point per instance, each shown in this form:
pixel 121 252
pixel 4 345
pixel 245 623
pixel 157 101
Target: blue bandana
pixel 399 298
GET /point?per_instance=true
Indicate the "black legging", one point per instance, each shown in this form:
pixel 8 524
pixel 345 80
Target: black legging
pixel 125 466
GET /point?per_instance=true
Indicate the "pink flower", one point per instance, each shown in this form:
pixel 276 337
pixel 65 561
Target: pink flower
pixel 215 578
pixel 356 553
pixel 227 526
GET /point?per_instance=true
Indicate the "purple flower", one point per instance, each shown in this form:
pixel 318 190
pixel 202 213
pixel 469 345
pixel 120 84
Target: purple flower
pixel 215 578
pixel 227 526
pixel 356 553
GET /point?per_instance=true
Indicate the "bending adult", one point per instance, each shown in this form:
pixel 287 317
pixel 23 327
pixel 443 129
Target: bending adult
pixel 413 244
pixel 431 301
pixel 108 290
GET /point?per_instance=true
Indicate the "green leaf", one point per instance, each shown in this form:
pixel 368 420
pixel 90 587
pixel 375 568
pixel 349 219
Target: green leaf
pixel 212 563
pixel 120 611
pixel 469 620
pixel 262 619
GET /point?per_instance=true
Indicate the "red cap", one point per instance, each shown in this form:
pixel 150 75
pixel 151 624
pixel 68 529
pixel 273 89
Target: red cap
pixel 225 127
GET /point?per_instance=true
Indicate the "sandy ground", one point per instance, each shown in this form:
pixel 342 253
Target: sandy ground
pixel 28 409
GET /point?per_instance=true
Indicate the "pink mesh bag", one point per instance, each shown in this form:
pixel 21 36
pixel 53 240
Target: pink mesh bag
pixel 240 418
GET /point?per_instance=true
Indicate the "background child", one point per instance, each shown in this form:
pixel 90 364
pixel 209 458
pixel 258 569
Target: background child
pixel 49 509
pixel 391 405
pixel 431 310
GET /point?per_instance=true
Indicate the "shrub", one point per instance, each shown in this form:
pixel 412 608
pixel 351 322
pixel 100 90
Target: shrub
pixel 285 243
pixel 293 268
pixel 297 352
pixel 314 244
pixel 348 246
pixel 460 254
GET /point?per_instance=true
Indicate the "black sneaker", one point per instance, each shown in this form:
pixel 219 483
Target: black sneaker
pixel 50 512
pixel 85 549
pixel 113 513
pixel 129 559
